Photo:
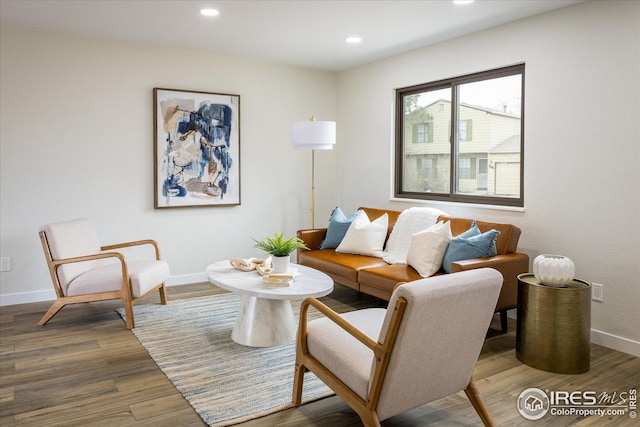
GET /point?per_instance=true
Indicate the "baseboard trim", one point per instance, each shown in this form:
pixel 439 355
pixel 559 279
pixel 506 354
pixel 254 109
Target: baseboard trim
pixel 27 297
pixel 615 342
pixel 50 295
pixel 187 279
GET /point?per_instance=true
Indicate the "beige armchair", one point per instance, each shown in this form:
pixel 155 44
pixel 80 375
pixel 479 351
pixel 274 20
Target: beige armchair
pixel 383 362
pixel 80 270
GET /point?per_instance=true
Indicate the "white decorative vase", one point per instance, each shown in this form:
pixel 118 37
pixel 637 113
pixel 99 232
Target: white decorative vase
pixel 280 264
pixel 554 270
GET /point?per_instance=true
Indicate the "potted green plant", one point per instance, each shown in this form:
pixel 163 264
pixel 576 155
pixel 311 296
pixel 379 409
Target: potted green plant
pixel 280 248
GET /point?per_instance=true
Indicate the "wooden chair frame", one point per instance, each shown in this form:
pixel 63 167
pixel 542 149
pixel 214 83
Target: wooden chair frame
pixel 124 293
pixel 366 409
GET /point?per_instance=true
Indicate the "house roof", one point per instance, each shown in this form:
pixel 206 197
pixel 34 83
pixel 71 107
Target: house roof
pixel 509 145
pixel 476 107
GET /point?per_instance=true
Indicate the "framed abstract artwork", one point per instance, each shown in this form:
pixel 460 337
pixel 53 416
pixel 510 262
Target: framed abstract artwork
pixel 196 148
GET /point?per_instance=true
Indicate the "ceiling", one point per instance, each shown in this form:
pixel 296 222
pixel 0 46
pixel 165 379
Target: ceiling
pixel 293 32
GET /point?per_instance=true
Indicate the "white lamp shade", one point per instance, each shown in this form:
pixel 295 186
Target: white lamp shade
pixel 313 135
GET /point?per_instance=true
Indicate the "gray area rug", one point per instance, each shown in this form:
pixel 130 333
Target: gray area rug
pixel 225 382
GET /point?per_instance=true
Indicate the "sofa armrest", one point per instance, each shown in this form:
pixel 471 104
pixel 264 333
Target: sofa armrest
pixel 510 265
pixel 312 237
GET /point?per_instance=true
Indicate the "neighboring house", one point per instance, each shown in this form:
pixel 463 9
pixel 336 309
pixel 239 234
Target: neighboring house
pixel 489 160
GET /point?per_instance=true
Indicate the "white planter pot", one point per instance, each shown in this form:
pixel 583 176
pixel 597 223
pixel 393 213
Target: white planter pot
pixel 554 270
pixel 280 264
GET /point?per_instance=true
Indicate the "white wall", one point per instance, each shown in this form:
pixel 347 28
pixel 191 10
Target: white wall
pixel 582 138
pixel 77 141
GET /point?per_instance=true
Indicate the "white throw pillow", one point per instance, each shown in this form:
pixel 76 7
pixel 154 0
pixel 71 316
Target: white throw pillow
pixel 409 222
pixel 428 247
pixel 365 237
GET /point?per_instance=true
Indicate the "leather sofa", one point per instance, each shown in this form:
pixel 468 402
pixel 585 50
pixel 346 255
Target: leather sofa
pixel 375 277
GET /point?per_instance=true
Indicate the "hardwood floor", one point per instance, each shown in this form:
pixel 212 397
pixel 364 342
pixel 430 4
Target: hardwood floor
pixel 84 368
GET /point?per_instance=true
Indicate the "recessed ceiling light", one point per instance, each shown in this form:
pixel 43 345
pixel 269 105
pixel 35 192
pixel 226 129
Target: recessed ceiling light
pixel 462 1
pixel 209 12
pixel 353 39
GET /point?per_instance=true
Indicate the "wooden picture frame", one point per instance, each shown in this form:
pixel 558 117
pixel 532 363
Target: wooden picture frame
pixel 196 148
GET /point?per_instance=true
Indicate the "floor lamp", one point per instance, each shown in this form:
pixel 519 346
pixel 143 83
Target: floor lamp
pixel 313 135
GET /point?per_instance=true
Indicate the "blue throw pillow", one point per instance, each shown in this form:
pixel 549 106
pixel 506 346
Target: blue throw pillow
pixel 338 226
pixel 472 231
pixel 464 247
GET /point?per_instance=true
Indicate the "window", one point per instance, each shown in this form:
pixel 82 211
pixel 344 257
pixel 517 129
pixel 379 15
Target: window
pixel 483 163
pixel 464 169
pixel 464 130
pixel 423 133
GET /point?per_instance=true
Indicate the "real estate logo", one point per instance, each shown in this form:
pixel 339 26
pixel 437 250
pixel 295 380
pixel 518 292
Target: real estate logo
pixel 533 403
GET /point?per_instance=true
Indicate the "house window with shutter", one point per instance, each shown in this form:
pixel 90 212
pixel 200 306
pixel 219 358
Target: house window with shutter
pixel 464 130
pixel 423 133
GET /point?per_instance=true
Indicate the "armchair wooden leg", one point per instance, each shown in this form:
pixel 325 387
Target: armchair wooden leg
pixel 53 310
pixel 298 380
pixel 370 419
pixel 476 400
pixel 128 310
pixel 163 294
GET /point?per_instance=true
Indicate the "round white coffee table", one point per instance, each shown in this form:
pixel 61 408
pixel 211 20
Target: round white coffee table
pixel 265 317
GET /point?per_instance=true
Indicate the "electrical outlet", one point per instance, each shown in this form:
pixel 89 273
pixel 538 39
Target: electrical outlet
pixel 5 264
pixel 597 292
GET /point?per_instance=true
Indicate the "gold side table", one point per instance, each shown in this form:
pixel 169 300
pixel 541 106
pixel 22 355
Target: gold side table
pixel 554 325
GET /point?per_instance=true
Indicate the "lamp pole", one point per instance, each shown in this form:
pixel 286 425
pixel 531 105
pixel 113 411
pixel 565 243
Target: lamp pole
pixel 313 188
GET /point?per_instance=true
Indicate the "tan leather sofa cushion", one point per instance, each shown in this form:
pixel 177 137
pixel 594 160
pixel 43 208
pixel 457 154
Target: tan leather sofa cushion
pixel 385 277
pixel 338 264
